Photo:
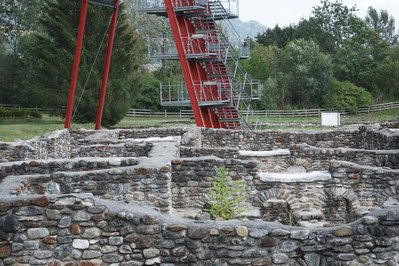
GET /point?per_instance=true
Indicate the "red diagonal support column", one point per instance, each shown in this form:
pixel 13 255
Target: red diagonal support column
pixel 177 24
pixel 76 62
pixel 107 65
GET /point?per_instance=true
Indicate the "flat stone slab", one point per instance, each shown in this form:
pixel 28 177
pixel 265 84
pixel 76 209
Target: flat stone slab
pixel 295 178
pixel 313 224
pixel 391 202
pixel 280 152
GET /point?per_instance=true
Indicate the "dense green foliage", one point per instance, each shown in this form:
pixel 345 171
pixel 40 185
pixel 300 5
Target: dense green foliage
pixel 226 196
pixel 37 70
pixel 308 73
pixel 298 75
pixel 363 52
pixel 345 95
pixel 297 64
pixel 19 113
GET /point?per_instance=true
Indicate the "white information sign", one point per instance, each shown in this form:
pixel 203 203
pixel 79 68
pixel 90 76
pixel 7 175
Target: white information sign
pixel 330 119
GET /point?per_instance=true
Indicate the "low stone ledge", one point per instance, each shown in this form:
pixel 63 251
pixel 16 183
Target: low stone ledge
pixel 279 152
pixel 296 178
pixel 360 168
pixel 321 156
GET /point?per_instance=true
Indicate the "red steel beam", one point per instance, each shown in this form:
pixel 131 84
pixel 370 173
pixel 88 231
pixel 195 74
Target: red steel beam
pixel 107 64
pixel 76 62
pixel 177 24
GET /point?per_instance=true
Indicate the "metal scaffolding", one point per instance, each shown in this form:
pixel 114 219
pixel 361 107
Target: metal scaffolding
pixel 216 86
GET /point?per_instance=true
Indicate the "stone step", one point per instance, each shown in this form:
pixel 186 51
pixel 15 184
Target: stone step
pixel 296 178
pixel 51 166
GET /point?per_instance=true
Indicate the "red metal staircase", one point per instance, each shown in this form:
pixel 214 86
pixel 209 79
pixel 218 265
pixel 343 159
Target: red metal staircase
pixel 216 84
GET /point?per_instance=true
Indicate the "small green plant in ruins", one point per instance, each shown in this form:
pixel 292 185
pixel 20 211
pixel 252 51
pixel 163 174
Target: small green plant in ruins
pixel 226 197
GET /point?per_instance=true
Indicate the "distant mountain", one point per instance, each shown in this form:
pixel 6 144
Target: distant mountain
pixel 248 29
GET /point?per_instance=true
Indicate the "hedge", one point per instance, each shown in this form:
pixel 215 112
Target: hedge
pixel 19 113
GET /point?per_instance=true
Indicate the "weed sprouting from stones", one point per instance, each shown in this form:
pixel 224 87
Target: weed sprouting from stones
pixel 226 196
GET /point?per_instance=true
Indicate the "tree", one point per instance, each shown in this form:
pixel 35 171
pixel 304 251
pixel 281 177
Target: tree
pixel 264 65
pixel 18 17
pixel 355 61
pixel 309 73
pixel 310 29
pixel 345 95
pixel 387 77
pixel 383 24
pixel 334 20
pixel 264 62
pixel 275 94
pixel 277 36
pixel 298 75
pixel 49 58
pixel 147 94
pixel 3 74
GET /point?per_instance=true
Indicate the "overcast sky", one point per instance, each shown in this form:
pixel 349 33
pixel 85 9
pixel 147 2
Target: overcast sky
pixel 285 12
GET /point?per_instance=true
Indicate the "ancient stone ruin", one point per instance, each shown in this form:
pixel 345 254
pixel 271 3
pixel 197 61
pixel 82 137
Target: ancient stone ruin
pixel 136 197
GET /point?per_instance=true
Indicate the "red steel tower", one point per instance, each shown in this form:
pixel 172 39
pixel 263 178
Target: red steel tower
pixel 216 86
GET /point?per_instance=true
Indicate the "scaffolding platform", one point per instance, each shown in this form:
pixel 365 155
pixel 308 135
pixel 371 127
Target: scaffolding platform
pixel 218 10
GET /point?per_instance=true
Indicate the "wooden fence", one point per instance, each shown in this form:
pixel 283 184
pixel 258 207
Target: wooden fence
pixel 265 113
pixel 253 113
pixel 165 114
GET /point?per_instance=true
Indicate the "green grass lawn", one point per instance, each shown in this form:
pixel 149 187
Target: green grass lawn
pixel 380 117
pixel 14 129
pixel 22 129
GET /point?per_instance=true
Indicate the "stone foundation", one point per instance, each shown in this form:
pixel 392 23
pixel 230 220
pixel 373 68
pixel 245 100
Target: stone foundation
pixel 114 197
pixel 72 230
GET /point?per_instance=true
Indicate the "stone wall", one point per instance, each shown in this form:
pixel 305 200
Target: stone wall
pixel 119 179
pixel 112 149
pixel 392 124
pixel 188 182
pixel 82 231
pixel 372 185
pixel 34 167
pixel 148 186
pixel 221 143
pixel 192 179
pixel 321 157
pixel 316 199
pixel 15 151
pixel 104 225
pixel 189 152
pixel 65 144
pixel 155 132
pixel 55 145
pixel 305 156
pixel 267 140
pixel 378 138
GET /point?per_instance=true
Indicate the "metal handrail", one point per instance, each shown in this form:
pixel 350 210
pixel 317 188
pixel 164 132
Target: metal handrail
pixel 177 92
